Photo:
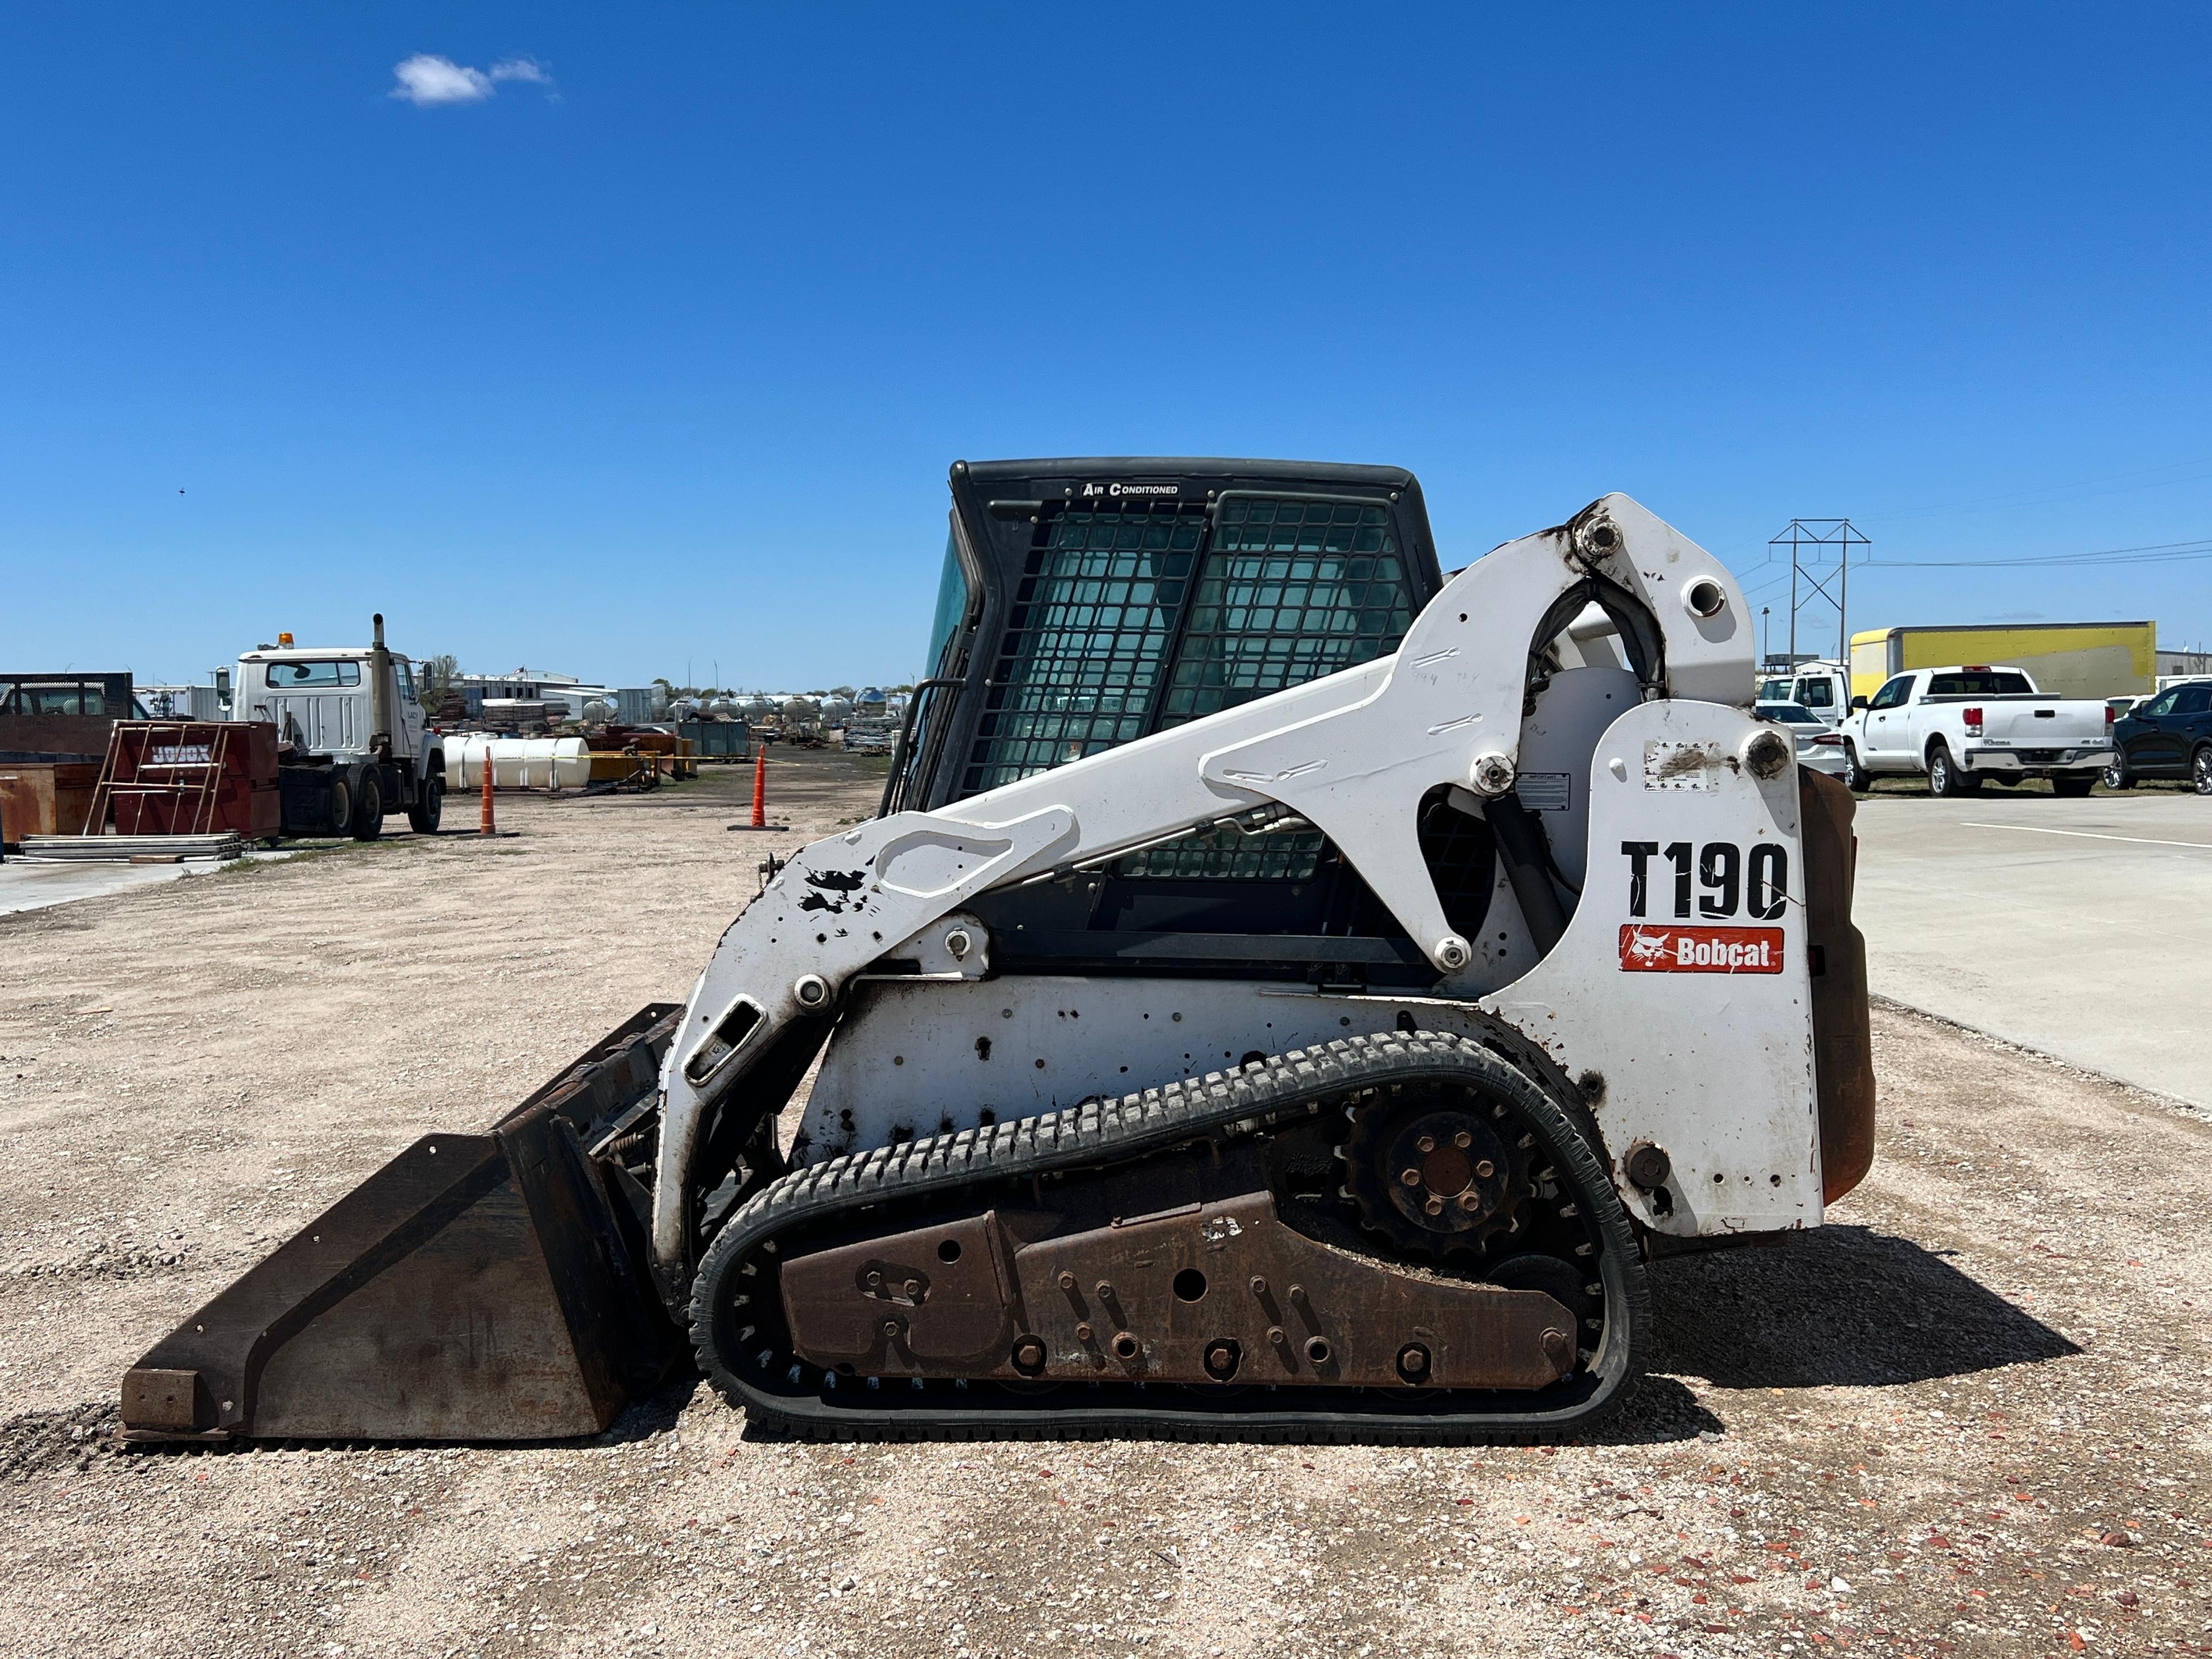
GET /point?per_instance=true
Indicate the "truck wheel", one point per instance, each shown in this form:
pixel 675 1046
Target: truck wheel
pixel 2073 785
pixel 1856 778
pixel 2117 776
pixel 340 802
pixel 2200 770
pixel 368 807
pixel 430 806
pixel 1944 778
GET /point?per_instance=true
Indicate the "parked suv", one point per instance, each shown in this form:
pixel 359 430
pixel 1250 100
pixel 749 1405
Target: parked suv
pixel 2165 736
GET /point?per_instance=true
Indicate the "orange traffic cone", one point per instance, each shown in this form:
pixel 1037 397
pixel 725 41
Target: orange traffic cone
pixel 483 759
pixel 760 796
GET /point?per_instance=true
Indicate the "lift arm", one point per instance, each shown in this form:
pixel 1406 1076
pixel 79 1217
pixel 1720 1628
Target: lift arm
pixel 1352 754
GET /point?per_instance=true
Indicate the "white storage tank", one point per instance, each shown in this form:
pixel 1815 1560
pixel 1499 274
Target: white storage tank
pixel 516 763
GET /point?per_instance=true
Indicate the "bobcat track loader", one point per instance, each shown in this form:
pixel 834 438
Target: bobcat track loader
pixel 1286 994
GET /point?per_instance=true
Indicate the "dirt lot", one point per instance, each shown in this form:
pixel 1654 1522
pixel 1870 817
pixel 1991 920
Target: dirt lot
pixel 1971 1417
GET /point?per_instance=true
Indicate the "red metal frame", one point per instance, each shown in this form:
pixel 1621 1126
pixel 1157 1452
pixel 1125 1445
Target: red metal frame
pixel 188 778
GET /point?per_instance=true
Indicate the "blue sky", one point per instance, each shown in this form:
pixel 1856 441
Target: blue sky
pixel 652 343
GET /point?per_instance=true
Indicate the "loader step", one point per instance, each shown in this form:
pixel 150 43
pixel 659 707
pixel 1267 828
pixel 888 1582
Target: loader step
pixel 1036 1278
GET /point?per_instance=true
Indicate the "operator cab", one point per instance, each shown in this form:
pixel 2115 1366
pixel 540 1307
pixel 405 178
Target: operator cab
pixel 1087 603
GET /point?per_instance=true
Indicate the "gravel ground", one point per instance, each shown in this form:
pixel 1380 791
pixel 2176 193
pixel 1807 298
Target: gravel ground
pixel 1971 1416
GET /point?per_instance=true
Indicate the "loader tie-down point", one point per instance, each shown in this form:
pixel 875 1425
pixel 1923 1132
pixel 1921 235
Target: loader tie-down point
pixel 1536 948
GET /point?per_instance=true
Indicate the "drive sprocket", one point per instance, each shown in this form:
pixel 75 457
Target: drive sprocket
pixel 1438 1173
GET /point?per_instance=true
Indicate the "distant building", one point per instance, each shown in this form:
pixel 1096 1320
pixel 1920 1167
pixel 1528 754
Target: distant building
pixel 526 685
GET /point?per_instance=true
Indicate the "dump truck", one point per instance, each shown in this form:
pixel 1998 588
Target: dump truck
pixel 1285 994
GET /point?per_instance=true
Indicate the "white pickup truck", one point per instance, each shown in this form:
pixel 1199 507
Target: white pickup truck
pixel 1961 725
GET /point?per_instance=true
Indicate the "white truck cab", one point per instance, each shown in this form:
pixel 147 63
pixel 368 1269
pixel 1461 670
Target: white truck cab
pixel 353 741
pixel 1824 688
pixel 1975 721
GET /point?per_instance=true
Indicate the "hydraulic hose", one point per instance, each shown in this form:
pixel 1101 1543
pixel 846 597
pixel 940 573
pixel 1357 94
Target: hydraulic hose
pixel 1521 846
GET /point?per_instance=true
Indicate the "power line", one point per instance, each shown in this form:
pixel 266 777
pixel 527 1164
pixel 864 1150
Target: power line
pixel 2048 495
pixel 2152 553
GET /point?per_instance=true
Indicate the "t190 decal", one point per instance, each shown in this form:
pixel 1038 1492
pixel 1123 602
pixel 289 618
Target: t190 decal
pixel 1726 881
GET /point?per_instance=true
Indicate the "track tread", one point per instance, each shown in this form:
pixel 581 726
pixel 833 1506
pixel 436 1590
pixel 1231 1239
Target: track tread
pixel 1079 1138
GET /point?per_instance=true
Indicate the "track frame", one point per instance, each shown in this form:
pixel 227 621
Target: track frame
pixel 735 1318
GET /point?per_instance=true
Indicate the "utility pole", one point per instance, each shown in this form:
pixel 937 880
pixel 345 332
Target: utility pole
pixel 1843 595
pixel 1766 634
pixel 1820 554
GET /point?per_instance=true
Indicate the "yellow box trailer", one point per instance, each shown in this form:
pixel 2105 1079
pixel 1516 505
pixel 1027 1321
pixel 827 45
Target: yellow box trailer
pixel 2067 659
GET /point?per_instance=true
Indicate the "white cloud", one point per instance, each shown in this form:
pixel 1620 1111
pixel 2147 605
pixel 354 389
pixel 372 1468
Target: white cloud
pixel 427 78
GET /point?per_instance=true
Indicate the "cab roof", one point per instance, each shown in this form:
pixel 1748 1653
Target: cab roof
pixel 315 654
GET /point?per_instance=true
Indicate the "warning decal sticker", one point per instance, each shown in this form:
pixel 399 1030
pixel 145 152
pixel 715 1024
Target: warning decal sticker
pixel 1657 948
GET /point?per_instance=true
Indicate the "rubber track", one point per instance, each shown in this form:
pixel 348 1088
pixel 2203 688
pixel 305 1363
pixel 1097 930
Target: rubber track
pixel 1099 1133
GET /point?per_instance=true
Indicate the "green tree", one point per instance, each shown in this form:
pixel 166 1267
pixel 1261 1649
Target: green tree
pixel 437 675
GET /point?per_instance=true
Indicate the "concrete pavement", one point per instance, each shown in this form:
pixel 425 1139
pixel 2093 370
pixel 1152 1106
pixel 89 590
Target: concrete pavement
pixel 30 885
pixel 2082 928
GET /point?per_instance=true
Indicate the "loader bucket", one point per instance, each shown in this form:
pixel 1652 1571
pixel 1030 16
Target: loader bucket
pixel 477 1287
